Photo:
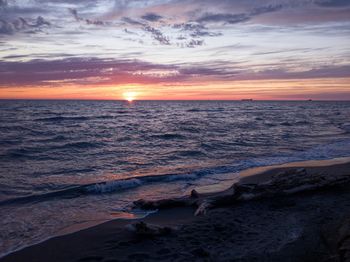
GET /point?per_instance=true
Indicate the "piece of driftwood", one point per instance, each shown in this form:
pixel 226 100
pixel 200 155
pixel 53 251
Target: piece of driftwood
pixel 287 182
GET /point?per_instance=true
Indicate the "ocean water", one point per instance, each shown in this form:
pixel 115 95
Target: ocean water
pixel 66 163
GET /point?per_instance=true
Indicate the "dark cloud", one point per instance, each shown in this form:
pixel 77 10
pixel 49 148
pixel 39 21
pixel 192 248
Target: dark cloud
pixel 74 13
pixel 195 29
pixel 40 21
pixel 229 18
pixel 157 35
pixel 123 71
pixel 193 43
pixel 10 11
pixel 266 9
pixel 6 28
pixel 181 37
pixel 131 21
pixel 190 26
pixel 225 18
pixel 104 71
pixel 333 3
pixel 22 25
pixel 3 3
pixel 204 33
pixel 151 17
pixel 42 72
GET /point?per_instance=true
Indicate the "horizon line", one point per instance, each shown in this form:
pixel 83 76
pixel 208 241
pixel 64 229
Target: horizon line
pixel 145 100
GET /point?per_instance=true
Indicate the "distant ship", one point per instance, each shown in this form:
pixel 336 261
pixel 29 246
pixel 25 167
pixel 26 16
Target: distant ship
pixel 247 100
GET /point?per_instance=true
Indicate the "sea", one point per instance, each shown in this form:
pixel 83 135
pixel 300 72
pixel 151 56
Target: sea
pixel 66 164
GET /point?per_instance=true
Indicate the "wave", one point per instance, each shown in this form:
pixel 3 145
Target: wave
pixel 206 110
pixel 169 136
pixel 333 150
pixel 190 153
pixel 302 122
pixel 105 117
pixel 21 153
pixel 346 128
pixel 62 118
pixel 15 128
pixel 75 118
pixel 56 138
pixel 9 142
pixel 286 124
pixel 33 153
pixel 194 110
pixel 81 145
pixel 100 188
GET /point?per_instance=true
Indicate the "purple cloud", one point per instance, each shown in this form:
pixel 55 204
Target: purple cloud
pixel 21 24
pixel 157 35
pixel 151 17
pixel 111 71
pixel 74 12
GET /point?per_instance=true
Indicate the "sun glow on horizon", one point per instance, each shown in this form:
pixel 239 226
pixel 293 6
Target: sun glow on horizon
pixel 272 89
pixel 130 96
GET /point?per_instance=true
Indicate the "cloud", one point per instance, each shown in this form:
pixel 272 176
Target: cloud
pixel 21 24
pixel 333 3
pixel 225 18
pixel 193 43
pixel 104 71
pixel 74 13
pixel 130 32
pixel 266 9
pixel 157 35
pixel 3 3
pixel 75 70
pixel 151 17
pixel 229 18
pixel 132 21
pixel 11 11
pixel 40 21
pixel 329 71
pixel 6 28
pixel 196 29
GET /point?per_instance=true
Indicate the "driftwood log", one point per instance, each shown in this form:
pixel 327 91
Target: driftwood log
pixel 290 181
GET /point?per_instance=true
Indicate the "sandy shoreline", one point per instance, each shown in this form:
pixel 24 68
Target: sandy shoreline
pixel 296 222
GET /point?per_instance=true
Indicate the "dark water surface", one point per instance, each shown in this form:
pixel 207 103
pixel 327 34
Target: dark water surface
pixel 68 162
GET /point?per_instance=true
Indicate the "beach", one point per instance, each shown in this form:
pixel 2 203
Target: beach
pixel 299 221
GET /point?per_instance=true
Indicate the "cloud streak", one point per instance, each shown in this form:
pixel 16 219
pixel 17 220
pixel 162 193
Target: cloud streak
pixel 229 18
pixel 111 71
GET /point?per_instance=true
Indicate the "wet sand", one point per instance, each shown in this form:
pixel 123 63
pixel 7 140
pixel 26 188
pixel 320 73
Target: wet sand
pixel 306 225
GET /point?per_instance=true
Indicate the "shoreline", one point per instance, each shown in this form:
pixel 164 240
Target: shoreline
pixel 257 174
pixel 170 216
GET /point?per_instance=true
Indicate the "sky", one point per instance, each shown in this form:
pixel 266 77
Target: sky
pixel 175 49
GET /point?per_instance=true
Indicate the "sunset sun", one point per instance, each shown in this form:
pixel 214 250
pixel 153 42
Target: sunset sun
pixel 130 96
